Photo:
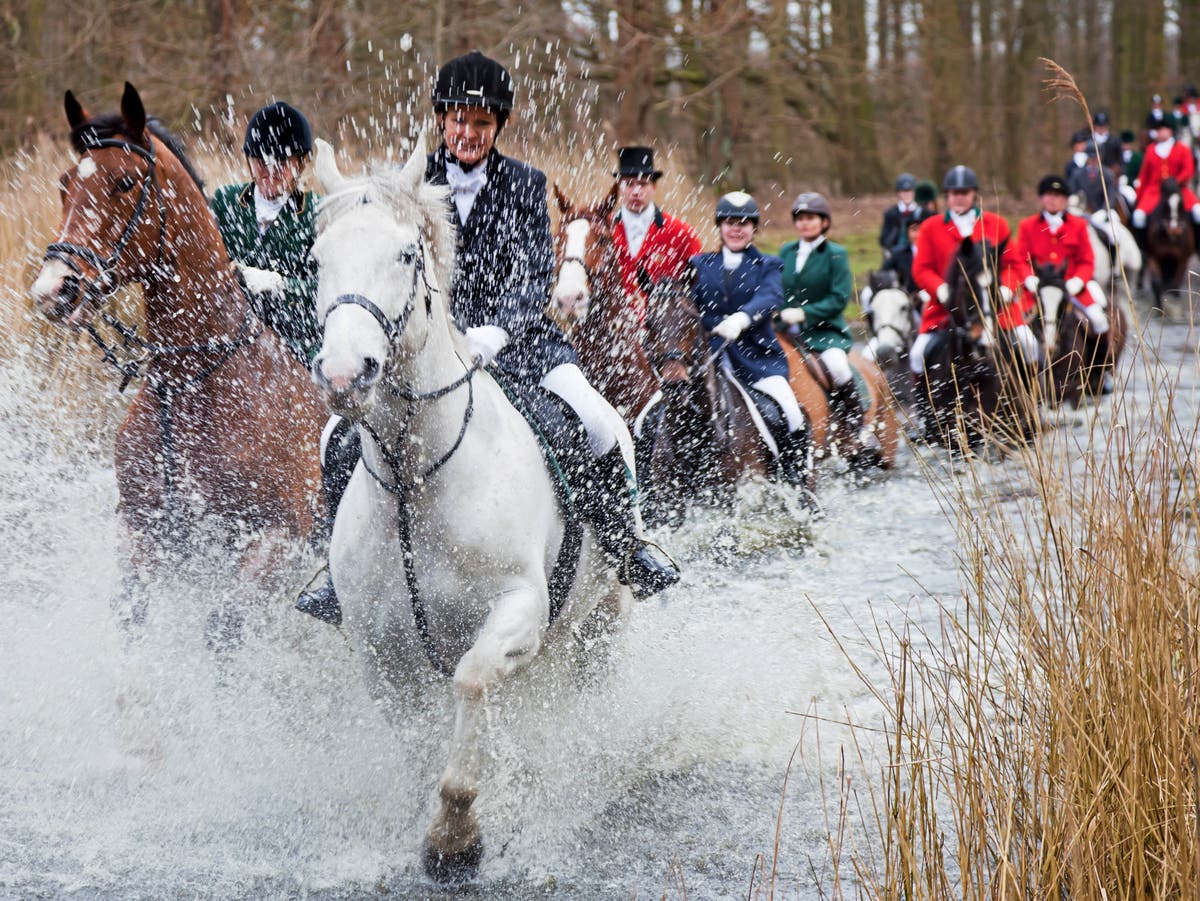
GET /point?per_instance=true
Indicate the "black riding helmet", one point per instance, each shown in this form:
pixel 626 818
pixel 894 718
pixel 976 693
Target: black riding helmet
pixel 960 178
pixel 1053 184
pixel 278 131
pixel 737 205
pixel 474 80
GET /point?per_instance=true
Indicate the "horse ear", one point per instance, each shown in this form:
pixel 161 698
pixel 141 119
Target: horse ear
pixel 968 246
pixel 76 114
pixel 609 203
pixel 563 203
pixel 133 112
pixel 328 174
pixel 413 172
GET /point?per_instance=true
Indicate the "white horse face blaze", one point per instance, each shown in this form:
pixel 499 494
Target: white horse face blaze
pixel 1051 298
pixel 571 291
pixel 373 256
pixel 891 312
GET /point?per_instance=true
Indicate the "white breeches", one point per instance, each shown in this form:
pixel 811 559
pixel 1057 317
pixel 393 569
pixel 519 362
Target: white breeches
pixel 604 425
pixel 838 364
pixel 916 353
pixel 1026 341
pixel 777 388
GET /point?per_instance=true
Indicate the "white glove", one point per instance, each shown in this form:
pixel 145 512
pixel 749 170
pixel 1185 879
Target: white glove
pixel 1074 285
pixel 1006 294
pixel 1097 318
pixel 792 315
pixel 261 281
pixel 731 326
pixel 943 292
pixel 923 296
pixel 484 342
pixel 1031 284
pixel 1139 218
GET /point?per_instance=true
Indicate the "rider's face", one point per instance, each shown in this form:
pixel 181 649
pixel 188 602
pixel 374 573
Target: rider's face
pixel 736 234
pixel 809 225
pixel 1053 202
pixel 276 178
pixel 469 132
pixel 906 196
pixel 960 199
pixel 636 193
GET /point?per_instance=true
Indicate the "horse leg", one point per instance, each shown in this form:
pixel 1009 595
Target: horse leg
pixel 508 641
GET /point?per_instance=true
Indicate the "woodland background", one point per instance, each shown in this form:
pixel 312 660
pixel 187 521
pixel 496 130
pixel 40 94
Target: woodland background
pixel 734 93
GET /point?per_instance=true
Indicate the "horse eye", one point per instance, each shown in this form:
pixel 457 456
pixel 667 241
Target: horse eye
pixel 124 184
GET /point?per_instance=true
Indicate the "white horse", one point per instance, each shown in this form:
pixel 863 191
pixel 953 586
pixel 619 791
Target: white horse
pixel 450 527
pixel 1128 257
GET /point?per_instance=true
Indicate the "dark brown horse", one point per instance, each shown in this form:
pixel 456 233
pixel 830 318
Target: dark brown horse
pixel 1077 359
pixel 704 436
pixel 1170 242
pixel 225 423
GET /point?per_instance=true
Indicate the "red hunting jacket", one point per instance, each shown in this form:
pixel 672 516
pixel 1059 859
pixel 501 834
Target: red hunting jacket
pixel 668 246
pixel 1179 164
pixel 1070 245
pixel 937 243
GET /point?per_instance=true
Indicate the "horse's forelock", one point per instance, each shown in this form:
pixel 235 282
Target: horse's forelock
pixel 111 126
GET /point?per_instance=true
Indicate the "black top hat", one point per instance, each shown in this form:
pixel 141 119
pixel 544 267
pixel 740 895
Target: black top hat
pixel 636 162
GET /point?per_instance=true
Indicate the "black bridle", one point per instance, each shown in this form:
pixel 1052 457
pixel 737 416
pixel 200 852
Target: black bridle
pixel 391 455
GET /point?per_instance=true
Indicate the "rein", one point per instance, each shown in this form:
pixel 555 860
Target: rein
pixel 392 456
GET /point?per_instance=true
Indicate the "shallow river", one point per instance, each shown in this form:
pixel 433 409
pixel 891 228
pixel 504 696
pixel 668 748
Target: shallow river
pixel 275 774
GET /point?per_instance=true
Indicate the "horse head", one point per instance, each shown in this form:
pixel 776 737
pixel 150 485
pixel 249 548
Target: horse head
pixel 384 246
pixel 891 321
pixel 117 225
pixel 675 337
pixel 972 280
pixel 586 255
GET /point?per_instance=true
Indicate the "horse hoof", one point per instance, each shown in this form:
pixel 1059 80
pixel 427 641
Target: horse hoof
pixel 452 867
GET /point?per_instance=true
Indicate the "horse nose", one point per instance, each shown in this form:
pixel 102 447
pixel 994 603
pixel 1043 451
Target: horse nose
pixel 352 378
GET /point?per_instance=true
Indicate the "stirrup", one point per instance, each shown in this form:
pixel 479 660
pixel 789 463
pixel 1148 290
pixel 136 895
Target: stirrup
pixel 645 574
pixel 321 602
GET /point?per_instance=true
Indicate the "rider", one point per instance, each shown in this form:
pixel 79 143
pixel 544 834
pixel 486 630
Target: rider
pixel 646 237
pixel 1079 156
pixel 268 225
pixel 1101 124
pixel 1096 183
pixel 737 289
pixel 1055 237
pixel 894 233
pixel 939 241
pixel 1166 158
pixel 817 286
pixel 503 269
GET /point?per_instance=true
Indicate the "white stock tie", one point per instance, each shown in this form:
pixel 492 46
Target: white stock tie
pixel 465 186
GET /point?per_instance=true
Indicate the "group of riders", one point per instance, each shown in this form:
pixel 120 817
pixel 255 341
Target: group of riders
pixel 505 265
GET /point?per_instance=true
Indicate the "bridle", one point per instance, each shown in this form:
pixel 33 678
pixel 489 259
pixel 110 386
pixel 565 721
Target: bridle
pixel 391 455
pixel 682 355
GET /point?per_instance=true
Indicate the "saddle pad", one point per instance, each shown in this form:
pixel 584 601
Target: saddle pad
pixel 864 391
pixel 755 414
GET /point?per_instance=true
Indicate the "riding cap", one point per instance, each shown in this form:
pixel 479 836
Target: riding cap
pixel 637 162
pixel 278 131
pixel 474 80
pixel 737 205
pixel 1101 118
pixel 1053 184
pixel 1080 136
pixel 906 182
pixel 960 178
pixel 1153 123
pixel 812 202
pixel 1157 98
pixel 926 192
pixel 1128 137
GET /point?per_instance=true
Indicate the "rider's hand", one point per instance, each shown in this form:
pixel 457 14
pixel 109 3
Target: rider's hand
pixel 732 326
pixel 261 281
pixel 1074 285
pixel 1031 284
pixel 1006 293
pixel 484 342
pixel 792 315
pixel 1096 318
pixel 943 292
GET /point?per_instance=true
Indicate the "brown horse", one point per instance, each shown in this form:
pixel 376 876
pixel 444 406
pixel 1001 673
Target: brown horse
pixel 810 383
pixel 703 437
pixel 589 299
pixel 1078 360
pixel 225 423
pixel 1170 242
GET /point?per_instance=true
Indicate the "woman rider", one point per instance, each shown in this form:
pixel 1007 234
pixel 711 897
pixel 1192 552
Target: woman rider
pixel 817 286
pixel 504 268
pixel 737 289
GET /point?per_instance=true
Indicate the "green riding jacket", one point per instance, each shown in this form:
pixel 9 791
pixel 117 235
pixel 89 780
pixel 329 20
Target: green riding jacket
pixel 286 248
pixel 822 289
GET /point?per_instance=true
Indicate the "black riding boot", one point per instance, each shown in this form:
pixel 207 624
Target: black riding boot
pixel 610 508
pixel 795 461
pixel 342 453
pixel 926 425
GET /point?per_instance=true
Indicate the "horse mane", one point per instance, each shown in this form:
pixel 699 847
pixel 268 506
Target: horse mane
pixel 426 206
pixel 112 125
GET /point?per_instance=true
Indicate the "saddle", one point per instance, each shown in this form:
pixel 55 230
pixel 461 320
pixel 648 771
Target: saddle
pixel 766 414
pixel 821 375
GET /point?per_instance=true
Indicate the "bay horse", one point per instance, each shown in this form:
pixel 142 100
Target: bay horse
pixel 705 435
pixel 1170 241
pixel 1077 359
pixel 224 425
pixel 963 385
pixel 449 530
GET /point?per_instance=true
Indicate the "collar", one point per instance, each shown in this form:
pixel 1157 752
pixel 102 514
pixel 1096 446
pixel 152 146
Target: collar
pixel 298 200
pixel 658 215
pixel 948 216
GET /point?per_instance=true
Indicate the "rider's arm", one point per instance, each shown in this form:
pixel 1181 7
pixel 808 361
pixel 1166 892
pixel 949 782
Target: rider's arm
pixel 1084 263
pixel 525 285
pixel 924 269
pixel 841 286
pixel 768 297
